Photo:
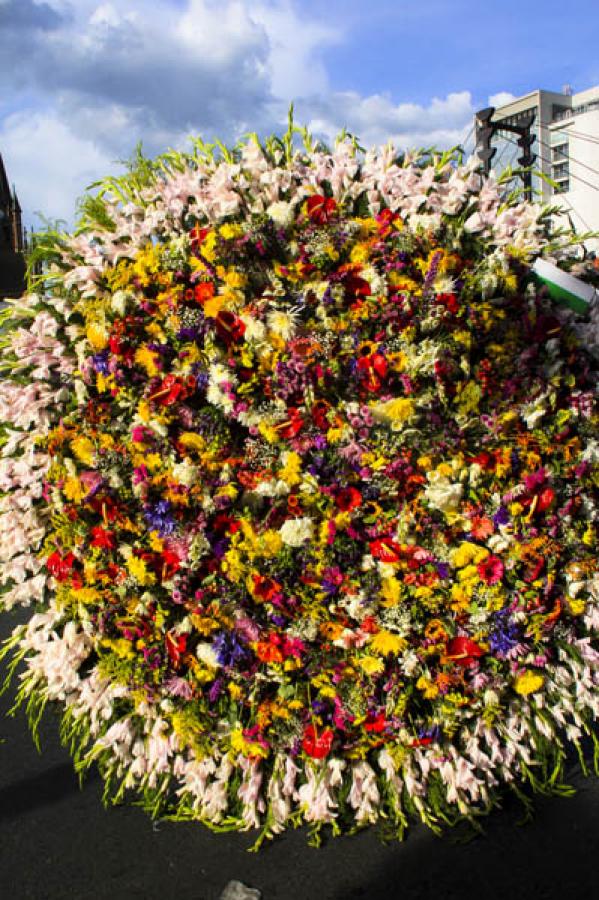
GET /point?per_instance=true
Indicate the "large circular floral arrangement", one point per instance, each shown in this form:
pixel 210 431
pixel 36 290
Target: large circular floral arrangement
pixel 299 465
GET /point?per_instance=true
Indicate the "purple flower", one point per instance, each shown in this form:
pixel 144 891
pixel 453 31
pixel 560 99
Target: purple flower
pixel 159 518
pixel 215 690
pixel 100 362
pixel 506 634
pixel 229 649
pixel 501 517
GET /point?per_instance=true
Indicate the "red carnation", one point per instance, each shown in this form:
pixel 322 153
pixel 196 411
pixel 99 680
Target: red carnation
pixel 317 745
pixel 545 499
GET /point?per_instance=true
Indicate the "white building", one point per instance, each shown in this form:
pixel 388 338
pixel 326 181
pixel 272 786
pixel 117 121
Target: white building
pixel 567 151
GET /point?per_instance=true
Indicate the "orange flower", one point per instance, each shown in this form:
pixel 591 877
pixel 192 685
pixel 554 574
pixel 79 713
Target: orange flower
pixel 268 653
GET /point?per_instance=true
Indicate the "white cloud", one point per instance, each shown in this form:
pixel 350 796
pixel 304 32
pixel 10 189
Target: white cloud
pixel 376 119
pixel 99 75
pixel 295 67
pixel 501 99
pixel 50 166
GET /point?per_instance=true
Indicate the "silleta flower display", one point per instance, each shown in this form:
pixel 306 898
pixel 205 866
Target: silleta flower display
pixel 299 469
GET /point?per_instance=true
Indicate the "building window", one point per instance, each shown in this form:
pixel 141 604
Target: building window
pixel 560 171
pixel 559 153
pixel 561 187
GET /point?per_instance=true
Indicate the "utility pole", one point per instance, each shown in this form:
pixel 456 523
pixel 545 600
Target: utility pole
pixel 486 129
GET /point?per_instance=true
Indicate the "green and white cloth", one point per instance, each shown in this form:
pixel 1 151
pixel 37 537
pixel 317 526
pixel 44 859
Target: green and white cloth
pixel 563 287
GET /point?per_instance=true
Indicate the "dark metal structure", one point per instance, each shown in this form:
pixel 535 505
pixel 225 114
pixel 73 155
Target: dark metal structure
pixel 12 241
pixel 486 129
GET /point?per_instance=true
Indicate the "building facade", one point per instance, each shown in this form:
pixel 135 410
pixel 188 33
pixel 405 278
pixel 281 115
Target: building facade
pixel 12 241
pixel 566 127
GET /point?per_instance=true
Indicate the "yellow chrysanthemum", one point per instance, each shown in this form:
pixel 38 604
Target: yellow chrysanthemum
pixel 291 471
pixel 97 335
pixel 247 748
pixel 74 490
pixel 428 687
pixel 83 448
pixel 390 592
pixel 147 359
pixel 138 570
pixel 229 232
pixel 395 411
pixel 371 665
pixel 528 682
pixel 468 553
pixel 387 643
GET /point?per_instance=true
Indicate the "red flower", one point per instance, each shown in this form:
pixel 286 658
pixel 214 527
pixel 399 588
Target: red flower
pixel 229 326
pixel 265 588
pixel 449 301
pixel 176 645
pixel 170 563
pixel 545 499
pixel 373 368
pixel 463 651
pixel 376 723
pixel 59 566
pixel 292 424
pixel 320 208
pixel 172 389
pixel 269 652
pixel 105 507
pixel 349 498
pixel 384 220
pixel 319 415
pixel 115 345
pixel 102 538
pixel 356 287
pixel 422 742
pixel 203 291
pixel 533 571
pixel 385 549
pixel 491 570
pixel 197 235
pixel 317 745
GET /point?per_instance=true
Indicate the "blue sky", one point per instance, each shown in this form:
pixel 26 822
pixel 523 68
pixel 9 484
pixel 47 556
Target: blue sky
pixel 81 81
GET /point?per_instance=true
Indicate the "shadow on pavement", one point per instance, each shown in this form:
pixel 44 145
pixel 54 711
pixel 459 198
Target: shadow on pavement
pixel 30 793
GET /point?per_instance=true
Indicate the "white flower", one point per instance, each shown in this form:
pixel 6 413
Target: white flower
pixel 205 653
pixel 532 413
pixel 119 302
pixel 282 323
pixel 296 532
pixel 80 392
pixel 281 212
pixel 254 329
pixel 272 488
pixel 442 493
pixel 185 473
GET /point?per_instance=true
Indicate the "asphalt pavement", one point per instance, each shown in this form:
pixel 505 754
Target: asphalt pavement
pixel 57 842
